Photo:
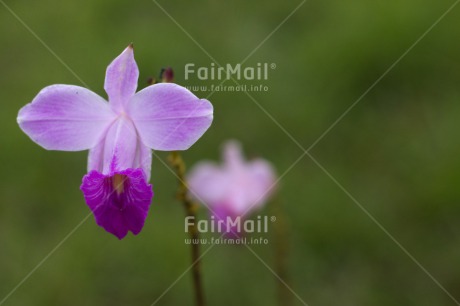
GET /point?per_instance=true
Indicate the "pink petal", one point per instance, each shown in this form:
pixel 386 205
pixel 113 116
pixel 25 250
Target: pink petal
pixel 121 79
pixel 259 178
pixel 232 154
pixel 143 159
pixel 96 157
pixel 120 146
pixel 262 176
pixel 66 118
pixel 120 149
pixel 207 182
pixel 168 117
pixel 253 180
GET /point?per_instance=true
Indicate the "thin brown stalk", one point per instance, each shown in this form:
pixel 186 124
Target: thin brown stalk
pixel 190 207
pixel 281 235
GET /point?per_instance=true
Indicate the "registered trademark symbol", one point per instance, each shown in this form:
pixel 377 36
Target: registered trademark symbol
pixel 273 218
pixel 273 66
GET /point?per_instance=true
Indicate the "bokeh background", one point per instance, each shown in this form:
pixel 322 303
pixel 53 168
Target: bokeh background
pixel 397 152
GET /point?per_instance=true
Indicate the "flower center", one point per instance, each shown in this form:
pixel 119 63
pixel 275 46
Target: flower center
pixel 118 183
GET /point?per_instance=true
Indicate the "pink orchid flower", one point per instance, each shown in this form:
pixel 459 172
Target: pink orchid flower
pixel 119 135
pixel 235 188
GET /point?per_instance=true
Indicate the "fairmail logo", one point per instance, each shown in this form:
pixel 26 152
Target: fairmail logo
pixel 260 224
pixel 227 72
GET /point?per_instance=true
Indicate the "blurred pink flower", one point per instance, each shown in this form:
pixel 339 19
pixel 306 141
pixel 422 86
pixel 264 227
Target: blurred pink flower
pixel 236 187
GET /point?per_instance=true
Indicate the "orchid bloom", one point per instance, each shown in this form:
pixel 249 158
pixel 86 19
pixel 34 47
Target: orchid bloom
pixel 119 135
pixel 235 188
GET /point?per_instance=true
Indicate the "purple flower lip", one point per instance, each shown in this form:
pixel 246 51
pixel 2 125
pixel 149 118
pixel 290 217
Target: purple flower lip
pixel 120 201
pixel 119 134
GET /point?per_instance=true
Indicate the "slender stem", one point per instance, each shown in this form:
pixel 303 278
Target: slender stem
pixel 178 164
pixel 281 252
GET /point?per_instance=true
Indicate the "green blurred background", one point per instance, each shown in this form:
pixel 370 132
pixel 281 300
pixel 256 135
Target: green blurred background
pixel 397 152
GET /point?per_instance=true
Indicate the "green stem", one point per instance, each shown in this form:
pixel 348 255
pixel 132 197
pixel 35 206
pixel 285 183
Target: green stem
pixel 281 234
pixel 178 164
